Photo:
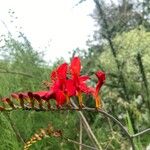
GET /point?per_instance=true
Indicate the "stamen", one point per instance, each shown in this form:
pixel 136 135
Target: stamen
pixel 98 102
pixel 79 94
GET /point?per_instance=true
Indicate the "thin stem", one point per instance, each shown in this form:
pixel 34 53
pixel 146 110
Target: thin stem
pixel 13 72
pixel 80 139
pixel 19 137
pixel 140 133
pixel 144 78
pixel 87 127
pixel 84 145
pixel 117 122
pixel 108 144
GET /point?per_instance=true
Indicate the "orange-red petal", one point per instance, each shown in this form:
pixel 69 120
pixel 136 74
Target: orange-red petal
pixel 62 71
pixel 75 66
pixel 60 98
pixel 70 88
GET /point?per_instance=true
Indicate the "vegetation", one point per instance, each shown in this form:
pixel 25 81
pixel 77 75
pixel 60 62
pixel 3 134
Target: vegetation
pixel 122 51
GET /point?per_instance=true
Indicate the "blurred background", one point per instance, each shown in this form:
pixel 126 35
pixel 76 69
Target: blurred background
pixel 112 36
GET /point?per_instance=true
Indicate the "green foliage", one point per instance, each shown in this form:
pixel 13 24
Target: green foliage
pixel 137 142
pixel 23 69
pixel 26 70
pixel 8 139
pixel 115 17
pixel 128 46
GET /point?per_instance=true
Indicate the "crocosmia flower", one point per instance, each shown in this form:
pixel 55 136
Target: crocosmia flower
pixel 79 81
pixel 66 81
pixel 61 87
pixel 95 91
pixel 75 66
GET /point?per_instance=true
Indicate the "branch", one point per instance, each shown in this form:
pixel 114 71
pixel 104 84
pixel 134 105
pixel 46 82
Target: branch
pixel 144 78
pixel 80 135
pixel 84 145
pixel 118 123
pixel 140 133
pixel 13 72
pixel 88 128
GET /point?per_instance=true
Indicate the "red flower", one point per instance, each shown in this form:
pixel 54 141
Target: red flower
pixel 62 91
pixel 53 76
pixel 101 79
pixel 60 73
pixel 58 76
pixel 61 87
pixel 75 66
pixel 95 91
pixel 69 90
pixel 79 81
pixel 60 98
